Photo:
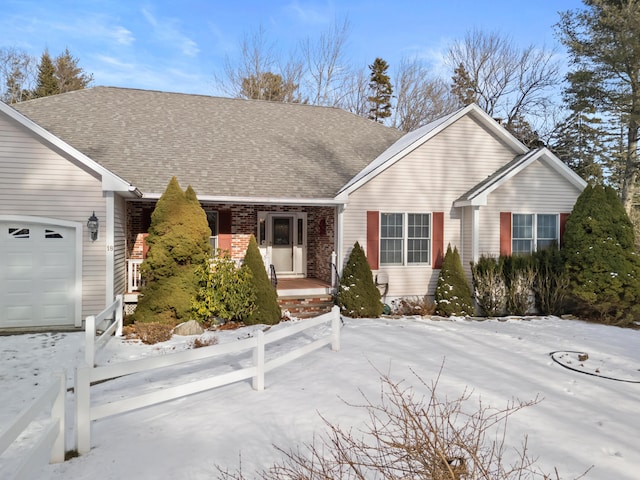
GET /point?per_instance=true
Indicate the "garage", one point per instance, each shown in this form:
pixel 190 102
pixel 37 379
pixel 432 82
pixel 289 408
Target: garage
pixel 38 275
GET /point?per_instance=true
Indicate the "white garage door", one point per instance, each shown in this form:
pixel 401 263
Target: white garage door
pixel 37 274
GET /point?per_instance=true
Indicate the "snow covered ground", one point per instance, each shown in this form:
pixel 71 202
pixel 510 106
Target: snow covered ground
pixel 582 420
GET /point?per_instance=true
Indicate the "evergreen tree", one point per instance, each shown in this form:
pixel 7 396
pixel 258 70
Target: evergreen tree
pixel 358 296
pixel 266 310
pixel 381 91
pixel 269 86
pixel 600 257
pixel 178 245
pixel 463 87
pixel 69 75
pixel 453 295
pixel 47 82
pixel 578 142
pixel 604 43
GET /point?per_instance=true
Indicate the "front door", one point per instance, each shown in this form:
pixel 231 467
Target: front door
pixel 282 243
pixel 282 237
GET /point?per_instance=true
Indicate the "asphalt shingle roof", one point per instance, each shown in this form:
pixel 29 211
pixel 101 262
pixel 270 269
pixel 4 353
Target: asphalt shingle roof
pixel 220 146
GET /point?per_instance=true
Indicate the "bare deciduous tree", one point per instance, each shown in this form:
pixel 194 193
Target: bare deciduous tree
pixel 252 75
pixel 512 83
pixel 420 97
pixel 354 90
pixel 325 65
pixel 18 71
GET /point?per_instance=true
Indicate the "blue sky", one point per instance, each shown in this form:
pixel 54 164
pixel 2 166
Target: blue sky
pixel 180 45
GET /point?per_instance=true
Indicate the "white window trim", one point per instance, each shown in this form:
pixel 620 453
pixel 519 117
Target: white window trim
pixel 534 238
pixel 405 240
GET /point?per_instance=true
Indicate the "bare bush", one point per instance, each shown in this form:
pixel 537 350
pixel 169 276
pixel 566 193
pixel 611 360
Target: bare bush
pixel 409 435
pixel 149 333
pixel 413 306
pixel 204 342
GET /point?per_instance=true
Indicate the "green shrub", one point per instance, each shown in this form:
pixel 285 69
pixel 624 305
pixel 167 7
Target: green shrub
pixel 225 292
pixel 358 296
pixel 519 276
pixel 266 310
pixel 489 286
pixel 453 295
pixel 600 257
pixel 178 243
pixel 551 284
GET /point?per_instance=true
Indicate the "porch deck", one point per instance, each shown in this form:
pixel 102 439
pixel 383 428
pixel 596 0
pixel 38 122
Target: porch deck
pixel 302 286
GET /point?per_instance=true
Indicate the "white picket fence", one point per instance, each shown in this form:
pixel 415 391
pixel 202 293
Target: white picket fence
pixel 85 412
pixel 112 316
pixel 50 443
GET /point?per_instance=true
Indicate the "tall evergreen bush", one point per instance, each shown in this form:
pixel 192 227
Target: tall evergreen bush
pixel 551 284
pixel 178 244
pixel 266 310
pixel 453 295
pixel 600 257
pixel 358 296
pixel 490 289
pixel 519 276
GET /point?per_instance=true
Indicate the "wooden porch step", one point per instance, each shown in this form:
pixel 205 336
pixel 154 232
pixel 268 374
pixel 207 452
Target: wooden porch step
pixel 306 306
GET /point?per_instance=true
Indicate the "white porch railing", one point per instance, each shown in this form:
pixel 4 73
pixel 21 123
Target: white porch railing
pixel 113 314
pixel 133 274
pixel 49 448
pixel 87 374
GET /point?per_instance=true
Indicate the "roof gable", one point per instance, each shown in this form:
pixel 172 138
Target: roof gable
pixel 479 193
pixel 417 138
pixel 110 181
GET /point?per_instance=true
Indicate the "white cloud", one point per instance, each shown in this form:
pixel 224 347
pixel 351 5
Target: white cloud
pixel 166 30
pixel 310 14
pixel 122 36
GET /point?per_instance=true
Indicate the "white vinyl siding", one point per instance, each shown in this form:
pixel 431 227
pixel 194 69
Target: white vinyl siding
pixel 429 179
pixel 36 181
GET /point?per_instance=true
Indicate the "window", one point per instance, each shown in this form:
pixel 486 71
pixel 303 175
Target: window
pixel 532 232
pixel 391 252
pixel 405 238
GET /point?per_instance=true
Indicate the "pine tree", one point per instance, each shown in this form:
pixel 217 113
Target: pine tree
pixel 604 48
pixel 266 310
pixel 453 295
pixel 269 86
pixel 381 91
pixel 47 83
pixel 69 75
pixel 358 296
pixel 463 88
pixel 178 245
pixel 600 257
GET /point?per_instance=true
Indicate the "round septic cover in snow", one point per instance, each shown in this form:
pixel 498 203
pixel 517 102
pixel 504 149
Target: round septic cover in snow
pixel 611 367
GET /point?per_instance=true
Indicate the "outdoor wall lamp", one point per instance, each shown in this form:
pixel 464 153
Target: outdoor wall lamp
pixel 92 225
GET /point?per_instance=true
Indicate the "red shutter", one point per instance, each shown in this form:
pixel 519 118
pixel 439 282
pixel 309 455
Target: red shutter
pixel 437 240
pixel 505 233
pixel 563 223
pixel 373 239
pixel 224 230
